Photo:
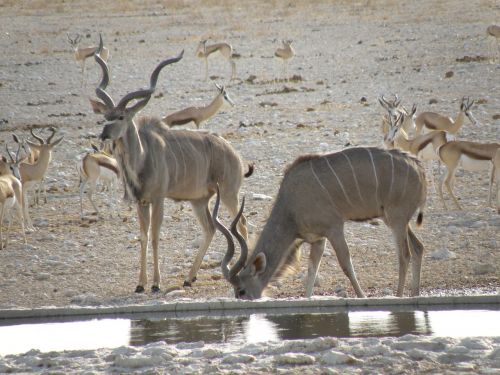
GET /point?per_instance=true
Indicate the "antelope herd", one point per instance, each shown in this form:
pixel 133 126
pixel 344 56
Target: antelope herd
pixel 317 195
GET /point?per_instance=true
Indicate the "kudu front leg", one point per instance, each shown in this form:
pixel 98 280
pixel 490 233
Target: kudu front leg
pixel 337 240
pixel 316 252
pixel 156 220
pixel 144 215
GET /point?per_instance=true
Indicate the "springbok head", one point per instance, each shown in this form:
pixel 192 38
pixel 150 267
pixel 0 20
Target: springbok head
pixel 390 106
pixel 465 107
pixel 396 124
pixel 120 116
pixel 13 165
pixel 225 95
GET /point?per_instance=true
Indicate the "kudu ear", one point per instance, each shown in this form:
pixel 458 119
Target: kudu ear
pixel 98 107
pixel 259 264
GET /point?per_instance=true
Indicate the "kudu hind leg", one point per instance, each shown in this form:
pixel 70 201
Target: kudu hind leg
pixel 400 233
pixel 417 252
pixel 337 240
pixel 202 213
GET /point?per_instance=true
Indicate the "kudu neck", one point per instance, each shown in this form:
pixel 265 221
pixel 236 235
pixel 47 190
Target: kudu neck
pixel 275 241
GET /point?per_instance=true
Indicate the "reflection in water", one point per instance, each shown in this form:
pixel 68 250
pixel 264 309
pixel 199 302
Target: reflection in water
pixel 240 329
pixel 272 327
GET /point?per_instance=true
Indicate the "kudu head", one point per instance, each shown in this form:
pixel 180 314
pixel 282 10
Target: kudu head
pixel 243 277
pixel 465 106
pixel 120 116
pixel 225 95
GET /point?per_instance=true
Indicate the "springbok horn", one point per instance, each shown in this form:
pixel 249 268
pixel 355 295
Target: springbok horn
pixel 37 137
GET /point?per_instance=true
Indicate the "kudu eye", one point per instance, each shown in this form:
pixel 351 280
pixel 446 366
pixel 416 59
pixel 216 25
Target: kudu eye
pixel 241 292
pixel 121 118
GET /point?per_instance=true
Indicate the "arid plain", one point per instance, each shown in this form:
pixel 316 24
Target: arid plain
pixel 347 54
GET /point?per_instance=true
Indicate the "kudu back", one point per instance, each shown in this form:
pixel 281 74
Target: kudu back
pixel 318 194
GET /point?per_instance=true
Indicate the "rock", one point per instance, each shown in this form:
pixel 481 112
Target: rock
pixel 294 359
pixel 261 197
pixel 238 358
pixel 443 254
pixel 333 357
pixel 483 268
pixel 137 362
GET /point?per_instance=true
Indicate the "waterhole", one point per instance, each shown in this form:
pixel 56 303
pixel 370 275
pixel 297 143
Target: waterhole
pixel 56 334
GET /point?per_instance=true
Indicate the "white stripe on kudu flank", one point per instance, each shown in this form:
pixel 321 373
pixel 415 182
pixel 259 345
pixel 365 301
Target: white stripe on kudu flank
pixel 392 177
pixel 354 175
pixel 183 159
pixel 176 163
pixel 322 186
pixel 376 177
pixel 338 180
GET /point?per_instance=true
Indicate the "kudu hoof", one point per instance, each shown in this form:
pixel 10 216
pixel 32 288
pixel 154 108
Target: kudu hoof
pixel 139 289
pixel 155 288
pixel 189 283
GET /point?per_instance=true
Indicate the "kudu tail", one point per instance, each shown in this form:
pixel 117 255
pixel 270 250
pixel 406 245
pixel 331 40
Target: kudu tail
pixel 251 168
pixel 420 217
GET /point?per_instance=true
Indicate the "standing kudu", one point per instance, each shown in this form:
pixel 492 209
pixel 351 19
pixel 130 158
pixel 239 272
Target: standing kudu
pixel 157 163
pixel 318 194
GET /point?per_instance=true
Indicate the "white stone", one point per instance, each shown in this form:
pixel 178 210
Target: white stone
pixel 238 358
pixel 137 362
pixel 294 359
pixel 261 197
pixel 443 254
pixel 333 357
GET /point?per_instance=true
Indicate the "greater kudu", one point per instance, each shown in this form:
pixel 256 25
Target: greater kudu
pixel 317 195
pixel 157 163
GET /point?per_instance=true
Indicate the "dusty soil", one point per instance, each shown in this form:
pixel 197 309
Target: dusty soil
pixel 348 53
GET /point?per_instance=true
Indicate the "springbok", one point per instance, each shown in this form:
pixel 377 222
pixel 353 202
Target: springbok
pixel 157 163
pixel 493 33
pixel 94 166
pixel 226 50
pixel 471 156
pixel 318 194
pixel 285 53
pixel 32 158
pixel 33 173
pixel 394 109
pixel 424 146
pixel 199 114
pixel 83 53
pixel 429 121
pixel 10 195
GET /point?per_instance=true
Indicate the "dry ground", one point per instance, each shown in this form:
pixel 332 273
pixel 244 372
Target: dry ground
pixel 348 53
